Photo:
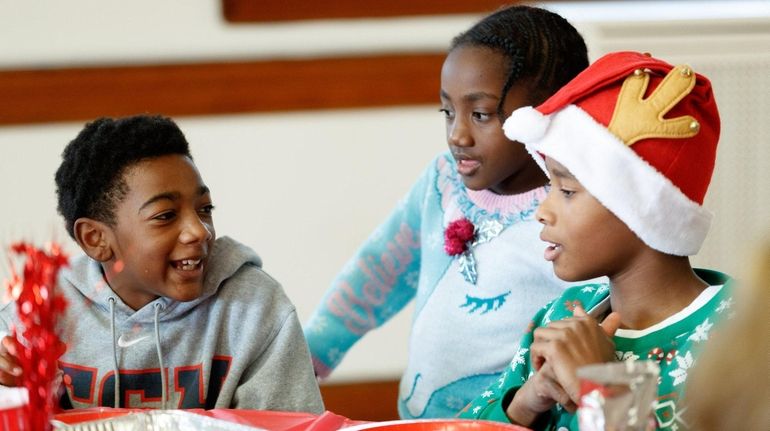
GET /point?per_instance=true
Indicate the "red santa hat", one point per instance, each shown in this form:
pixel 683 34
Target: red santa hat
pixel 641 136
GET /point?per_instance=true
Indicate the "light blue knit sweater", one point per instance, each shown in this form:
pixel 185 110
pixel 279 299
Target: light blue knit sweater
pixel 454 320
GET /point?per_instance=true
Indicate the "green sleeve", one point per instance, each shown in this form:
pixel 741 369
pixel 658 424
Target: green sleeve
pixel 491 404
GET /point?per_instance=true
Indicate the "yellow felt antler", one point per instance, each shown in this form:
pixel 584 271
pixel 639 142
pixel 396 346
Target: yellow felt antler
pixel 636 118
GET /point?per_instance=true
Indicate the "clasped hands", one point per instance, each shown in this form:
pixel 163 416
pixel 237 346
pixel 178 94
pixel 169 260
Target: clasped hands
pixel 557 351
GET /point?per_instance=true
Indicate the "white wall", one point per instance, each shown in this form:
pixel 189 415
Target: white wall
pixel 304 189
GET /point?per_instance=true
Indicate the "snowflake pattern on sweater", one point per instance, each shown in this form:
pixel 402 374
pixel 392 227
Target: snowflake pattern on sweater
pixel 404 260
pixel 673 343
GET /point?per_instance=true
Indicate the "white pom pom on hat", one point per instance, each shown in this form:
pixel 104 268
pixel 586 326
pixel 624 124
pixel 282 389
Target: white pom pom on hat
pixel 526 124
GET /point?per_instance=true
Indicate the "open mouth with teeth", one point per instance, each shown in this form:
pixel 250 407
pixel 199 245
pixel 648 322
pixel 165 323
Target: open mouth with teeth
pixel 467 166
pixel 552 251
pixel 187 264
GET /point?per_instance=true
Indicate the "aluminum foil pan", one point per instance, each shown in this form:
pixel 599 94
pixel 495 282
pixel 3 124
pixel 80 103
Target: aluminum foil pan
pixel 156 420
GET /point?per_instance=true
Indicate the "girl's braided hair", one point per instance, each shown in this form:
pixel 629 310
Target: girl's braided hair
pixel 544 51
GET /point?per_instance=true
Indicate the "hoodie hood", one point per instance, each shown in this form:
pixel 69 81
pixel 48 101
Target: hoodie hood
pixel 227 258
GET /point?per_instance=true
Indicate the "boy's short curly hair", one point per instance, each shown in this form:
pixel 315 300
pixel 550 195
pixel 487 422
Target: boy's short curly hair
pixel 90 182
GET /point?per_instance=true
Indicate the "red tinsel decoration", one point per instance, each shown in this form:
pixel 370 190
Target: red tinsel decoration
pixel 38 348
pixel 457 236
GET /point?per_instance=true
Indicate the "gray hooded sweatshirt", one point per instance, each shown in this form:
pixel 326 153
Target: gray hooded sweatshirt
pixel 239 345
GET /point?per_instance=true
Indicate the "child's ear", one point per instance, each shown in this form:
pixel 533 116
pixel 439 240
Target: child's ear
pixel 93 237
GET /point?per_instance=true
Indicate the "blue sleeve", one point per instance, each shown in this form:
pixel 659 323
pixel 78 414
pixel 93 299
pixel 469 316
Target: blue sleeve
pixel 376 283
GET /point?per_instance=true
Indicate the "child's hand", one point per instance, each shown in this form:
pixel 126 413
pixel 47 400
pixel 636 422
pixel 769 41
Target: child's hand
pixel 538 395
pixel 568 344
pixel 10 372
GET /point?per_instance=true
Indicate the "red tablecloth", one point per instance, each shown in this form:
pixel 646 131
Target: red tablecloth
pixel 290 421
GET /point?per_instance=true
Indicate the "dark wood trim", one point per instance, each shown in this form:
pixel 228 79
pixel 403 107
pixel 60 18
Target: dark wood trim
pixel 74 94
pixel 369 400
pixel 288 10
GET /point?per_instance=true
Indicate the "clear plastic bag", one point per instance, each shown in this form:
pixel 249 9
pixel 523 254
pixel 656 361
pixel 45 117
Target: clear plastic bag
pixel 618 396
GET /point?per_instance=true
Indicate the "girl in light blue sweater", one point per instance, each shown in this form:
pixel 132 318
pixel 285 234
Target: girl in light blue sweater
pixel 464 241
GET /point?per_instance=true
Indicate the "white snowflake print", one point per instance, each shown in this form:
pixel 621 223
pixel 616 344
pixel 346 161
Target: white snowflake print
pixel 587 289
pixel 412 278
pixel 389 312
pixel 334 355
pixel 348 269
pixel 435 240
pixel 319 325
pixel 377 234
pixel 725 305
pixel 701 331
pixel 486 394
pixel 519 358
pixel 603 288
pixel 626 356
pixel 501 380
pixel 680 374
pixel 454 403
pixel 476 410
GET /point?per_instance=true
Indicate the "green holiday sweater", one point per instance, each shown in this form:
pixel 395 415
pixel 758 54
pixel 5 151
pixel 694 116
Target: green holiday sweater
pixel 674 343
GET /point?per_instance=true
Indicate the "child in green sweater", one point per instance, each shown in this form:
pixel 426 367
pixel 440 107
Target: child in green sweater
pixel 629 146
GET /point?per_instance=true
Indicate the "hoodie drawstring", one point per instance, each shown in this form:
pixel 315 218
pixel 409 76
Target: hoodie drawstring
pixel 111 300
pixel 158 307
pixel 163 380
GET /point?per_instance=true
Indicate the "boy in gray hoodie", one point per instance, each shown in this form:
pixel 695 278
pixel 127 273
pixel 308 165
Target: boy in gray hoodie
pixel 184 319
